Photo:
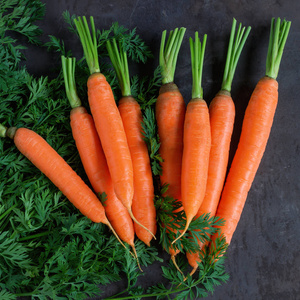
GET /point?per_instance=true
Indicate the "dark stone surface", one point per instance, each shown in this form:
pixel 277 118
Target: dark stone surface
pixel 263 258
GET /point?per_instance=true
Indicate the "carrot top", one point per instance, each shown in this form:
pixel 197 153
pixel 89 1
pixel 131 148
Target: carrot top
pixel 169 53
pixel 118 57
pixel 197 58
pixel 89 42
pixel 278 35
pixel 235 48
pixel 68 66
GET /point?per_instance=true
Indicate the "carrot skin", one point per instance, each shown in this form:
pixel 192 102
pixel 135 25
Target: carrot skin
pixel 195 160
pixel 170 113
pixel 143 198
pixel 256 129
pixel 48 161
pixel 112 136
pixel 95 165
pixel 222 114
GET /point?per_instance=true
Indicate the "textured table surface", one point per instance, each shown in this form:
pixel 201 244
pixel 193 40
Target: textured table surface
pixel 263 259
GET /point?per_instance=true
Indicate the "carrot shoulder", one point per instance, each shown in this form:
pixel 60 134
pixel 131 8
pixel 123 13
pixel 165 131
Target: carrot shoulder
pixel 255 133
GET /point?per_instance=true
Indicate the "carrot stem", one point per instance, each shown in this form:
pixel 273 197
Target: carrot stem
pixel 118 58
pixel 3 130
pixel 89 42
pixel 169 53
pixel 68 66
pixel 278 36
pixel 197 59
pixel 235 48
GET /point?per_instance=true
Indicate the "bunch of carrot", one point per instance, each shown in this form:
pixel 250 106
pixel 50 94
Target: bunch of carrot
pixel 195 140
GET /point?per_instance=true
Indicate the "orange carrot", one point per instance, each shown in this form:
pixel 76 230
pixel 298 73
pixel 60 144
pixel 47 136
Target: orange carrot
pixel 107 119
pixel 222 114
pixel 49 162
pixel 93 158
pixel 256 129
pixel 169 112
pixel 143 198
pixel 196 140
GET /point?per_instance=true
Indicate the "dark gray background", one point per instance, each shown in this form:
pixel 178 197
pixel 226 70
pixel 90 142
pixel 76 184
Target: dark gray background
pixel 263 258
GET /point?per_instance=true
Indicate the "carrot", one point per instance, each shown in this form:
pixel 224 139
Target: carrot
pixel 143 198
pixel 107 119
pixel 170 111
pixel 196 140
pixel 222 114
pixel 50 163
pixel 93 159
pixel 255 133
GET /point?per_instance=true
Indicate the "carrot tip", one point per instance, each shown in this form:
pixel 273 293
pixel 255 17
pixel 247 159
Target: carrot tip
pixel 182 234
pixel 136 256
pixel 136 221
pixel 175 264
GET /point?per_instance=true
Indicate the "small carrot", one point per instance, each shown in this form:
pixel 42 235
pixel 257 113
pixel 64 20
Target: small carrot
pixel 196 140
pixel 255 133
pixel 143 198
pixel 222 114
pixel 107 119
pixel 49 162
pixel 93 159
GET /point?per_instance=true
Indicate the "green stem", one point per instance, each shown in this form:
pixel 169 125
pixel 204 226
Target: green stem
pixel 34 236
pixel 197 59
pixel 68 66
pixel 7 211
pixel 3 130
pixel 235 48
pixel 89 42
pixel 118 58
pixel 278 36
pixel 169 53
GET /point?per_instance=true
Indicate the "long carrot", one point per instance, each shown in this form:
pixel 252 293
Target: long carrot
pixel 107 119
pixel 143 198
pixel 222 114
pixel 256 129
pixel 170 111
pixel 49 162
pixel 93 159
pixel 196 140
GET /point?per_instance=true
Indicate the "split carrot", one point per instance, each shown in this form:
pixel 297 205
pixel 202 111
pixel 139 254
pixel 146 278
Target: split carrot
pixel 222 114
pixel 255 133
pixel 107 119
pixel 170 111
pixel 143 198
pixel 93 159
pixel 50 163
pixel 196 140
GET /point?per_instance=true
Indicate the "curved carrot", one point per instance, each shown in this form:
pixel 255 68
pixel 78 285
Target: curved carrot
pixel 93 159
pixel 50 163
pixel 143 198
pixel 256 129
pixel 222 114
pixel 196 140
